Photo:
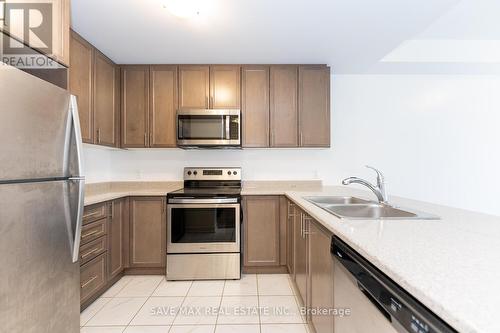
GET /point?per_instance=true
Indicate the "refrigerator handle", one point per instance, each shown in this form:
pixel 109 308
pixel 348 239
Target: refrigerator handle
pixel 76 139
pixel 77 230
pixel 75 169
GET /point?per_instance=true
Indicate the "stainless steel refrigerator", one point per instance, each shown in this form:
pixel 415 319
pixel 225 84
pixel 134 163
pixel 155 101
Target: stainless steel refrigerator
pixel 41 205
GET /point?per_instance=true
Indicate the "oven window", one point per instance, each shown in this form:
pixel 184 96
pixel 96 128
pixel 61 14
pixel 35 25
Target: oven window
pixel 201 127
pixel 203 225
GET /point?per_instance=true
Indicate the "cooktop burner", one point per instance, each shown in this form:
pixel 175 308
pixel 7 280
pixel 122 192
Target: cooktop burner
pixel 210 183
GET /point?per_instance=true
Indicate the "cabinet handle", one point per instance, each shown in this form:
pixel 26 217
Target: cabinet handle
pixel 88 282
pixel 90 233
pixel 302 225
pixel 300 139
pixel 145 139
pixel 89 253
pixel 91 215
pixel 208 102
pixel 98 135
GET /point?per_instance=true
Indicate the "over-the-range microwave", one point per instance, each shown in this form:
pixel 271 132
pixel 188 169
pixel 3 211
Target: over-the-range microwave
pixel 209 128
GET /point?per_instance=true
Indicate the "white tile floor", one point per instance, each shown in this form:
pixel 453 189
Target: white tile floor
pixel 150 304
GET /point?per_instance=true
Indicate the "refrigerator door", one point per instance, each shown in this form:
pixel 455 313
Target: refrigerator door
pixel 39 282
pixel 33 127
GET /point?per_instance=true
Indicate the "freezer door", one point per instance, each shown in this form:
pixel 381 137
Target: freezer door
pixel 39 282
pixel 33 127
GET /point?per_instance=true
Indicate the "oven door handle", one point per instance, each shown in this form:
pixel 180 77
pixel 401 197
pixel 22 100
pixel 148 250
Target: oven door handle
pixel 202 201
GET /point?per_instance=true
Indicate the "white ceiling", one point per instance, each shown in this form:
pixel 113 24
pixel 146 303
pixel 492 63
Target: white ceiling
pixel 352 36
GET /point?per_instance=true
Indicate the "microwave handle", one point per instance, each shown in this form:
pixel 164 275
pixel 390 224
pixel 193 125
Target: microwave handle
pixel 228 128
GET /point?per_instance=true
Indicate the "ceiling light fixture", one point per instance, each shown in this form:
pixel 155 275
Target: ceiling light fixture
pixel 182 8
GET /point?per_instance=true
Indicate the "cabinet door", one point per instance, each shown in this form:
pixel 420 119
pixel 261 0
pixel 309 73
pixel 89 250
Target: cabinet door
pixel 284 114
pixel 147 232
pixel 300 258
pixel 321 277
pixel 290 238
pixel 194 85
pixel 80 83
pixel 106 100
pixel 59 41
pixel 261 230
pixel 225 87
pixel 163 83
pixel 255 106
pixel 314 106
pixel 135 106
pixel 116 237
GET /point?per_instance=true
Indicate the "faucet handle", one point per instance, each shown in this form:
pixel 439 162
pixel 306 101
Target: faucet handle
pixel 380 175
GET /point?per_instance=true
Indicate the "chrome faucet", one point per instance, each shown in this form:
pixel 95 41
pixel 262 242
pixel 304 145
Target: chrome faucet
pixel 379 190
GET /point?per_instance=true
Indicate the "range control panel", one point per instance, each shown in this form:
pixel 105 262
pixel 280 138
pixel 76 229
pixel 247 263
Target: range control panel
pixel 212 173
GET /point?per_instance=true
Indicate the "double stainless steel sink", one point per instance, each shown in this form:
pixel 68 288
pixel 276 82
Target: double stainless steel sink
pixel 359 209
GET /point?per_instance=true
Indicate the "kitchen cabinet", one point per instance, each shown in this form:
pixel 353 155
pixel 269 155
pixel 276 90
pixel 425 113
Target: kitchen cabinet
pixel 147 232
pixel 60 19
pixel 225 87
pixel 301 255
pixel 106 93
pixel 290 220
pixel 95 81
pixel 80 83
pixel 320 276
pixel 314 106
pixel 163 107
pixel 255 106
pixel 92 278
pixel 116 237
pixel 135 106
pixel 261 231
pixel 283 106
pixel 194 87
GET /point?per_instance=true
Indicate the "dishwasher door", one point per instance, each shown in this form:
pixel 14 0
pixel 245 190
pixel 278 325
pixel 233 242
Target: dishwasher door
pixel 363 315
pixel 375 303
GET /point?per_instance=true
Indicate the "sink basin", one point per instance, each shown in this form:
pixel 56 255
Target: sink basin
pixel 359 209
pixel 369 212
pixel 336 200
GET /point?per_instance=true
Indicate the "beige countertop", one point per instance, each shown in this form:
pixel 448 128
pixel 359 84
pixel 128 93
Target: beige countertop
pixel 451 265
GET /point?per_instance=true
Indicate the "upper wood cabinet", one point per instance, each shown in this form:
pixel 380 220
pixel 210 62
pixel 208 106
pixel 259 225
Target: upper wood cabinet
pixel 194 87
pixel 225 87
pixel 147 232
pixel 314 106
pixel 106 101
pixel 80 83
pixel 95 81
pixel 261 231
pixel 255 106
pixel 60 18
pixel 283 106
pixel 163 106
pixel 135 106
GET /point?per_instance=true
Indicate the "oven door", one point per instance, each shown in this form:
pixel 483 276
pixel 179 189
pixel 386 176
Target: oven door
pixel 208 128
pixel 203 228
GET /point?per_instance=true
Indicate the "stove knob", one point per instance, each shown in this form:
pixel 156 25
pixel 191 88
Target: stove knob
pixel 229 173
pixel 189 173
pixel 195 173
pixel 235 173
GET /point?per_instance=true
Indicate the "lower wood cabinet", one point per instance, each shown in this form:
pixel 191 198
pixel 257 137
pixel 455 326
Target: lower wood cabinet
pixel 116 237
pixel 320 277
pixel 92 277
pixel 147 232
pixel 290 233
pixel 261 230
pixel 300 253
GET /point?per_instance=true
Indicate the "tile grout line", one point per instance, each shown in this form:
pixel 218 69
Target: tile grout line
pixel 182 304
pixel 258 301
pixel 147 299
pixel 220 304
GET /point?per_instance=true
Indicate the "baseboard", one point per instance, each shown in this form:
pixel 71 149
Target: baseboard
pixel 265 270
pixel 145 271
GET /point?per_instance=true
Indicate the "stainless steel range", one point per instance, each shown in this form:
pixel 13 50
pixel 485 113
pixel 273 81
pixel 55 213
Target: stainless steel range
pixel 204 225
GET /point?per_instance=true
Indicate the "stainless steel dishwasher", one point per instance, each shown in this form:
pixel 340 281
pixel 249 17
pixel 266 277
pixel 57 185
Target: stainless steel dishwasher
pixel 369 301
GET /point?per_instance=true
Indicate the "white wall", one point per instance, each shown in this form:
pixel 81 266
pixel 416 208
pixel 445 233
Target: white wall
pixel 435 137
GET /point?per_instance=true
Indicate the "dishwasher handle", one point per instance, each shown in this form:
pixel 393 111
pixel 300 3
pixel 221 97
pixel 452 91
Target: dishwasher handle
pixel 372 299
